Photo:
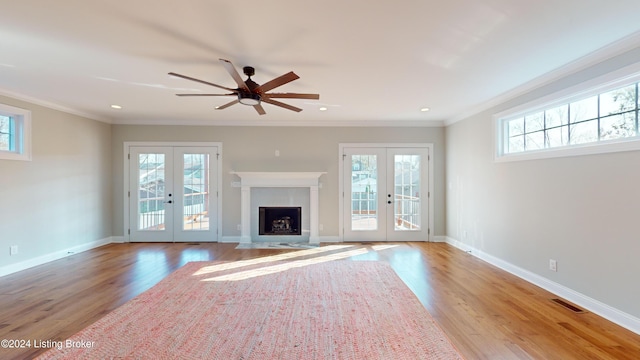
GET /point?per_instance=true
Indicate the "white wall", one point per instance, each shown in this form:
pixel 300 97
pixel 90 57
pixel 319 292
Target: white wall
pixel 61 200
pixel 301 149
pixel 582 211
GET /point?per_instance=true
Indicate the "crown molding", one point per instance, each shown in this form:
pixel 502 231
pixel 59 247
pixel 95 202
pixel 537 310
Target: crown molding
pixel 598 56
pixel 53 106
pixel 291 123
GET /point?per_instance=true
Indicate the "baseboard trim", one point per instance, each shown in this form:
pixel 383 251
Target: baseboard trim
pixel 29 263
pixel 610 313
pixel 330 239
pixel 439 238
pixel 230 239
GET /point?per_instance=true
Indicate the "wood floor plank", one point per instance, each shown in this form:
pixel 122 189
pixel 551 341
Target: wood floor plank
pixel 487 313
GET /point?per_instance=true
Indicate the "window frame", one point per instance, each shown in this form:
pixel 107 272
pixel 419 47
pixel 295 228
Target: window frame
pixel 597 86
pixel 22 133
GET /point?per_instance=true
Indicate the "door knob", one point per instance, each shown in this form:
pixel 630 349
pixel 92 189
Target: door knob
pixel 168 202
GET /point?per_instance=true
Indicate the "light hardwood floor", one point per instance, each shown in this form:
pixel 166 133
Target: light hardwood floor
pixel 487 313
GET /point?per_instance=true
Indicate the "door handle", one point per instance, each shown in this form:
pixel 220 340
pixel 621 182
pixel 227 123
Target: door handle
pixel 168 202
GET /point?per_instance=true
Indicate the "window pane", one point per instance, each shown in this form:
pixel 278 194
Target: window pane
pixel 5 133
pixel 584 132
pixel 535 141
pixel 515 127
pixel 618 101
pixel 557 116
pixel 516 144
pixel 15 130
pixel 534 122
pixel 557 136
pixel 618 126
pixel 584 109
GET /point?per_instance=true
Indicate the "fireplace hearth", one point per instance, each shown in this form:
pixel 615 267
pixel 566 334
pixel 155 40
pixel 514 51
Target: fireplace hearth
pixel 279 220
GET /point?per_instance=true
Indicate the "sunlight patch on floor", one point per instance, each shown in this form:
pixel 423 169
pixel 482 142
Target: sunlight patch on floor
pixel 266 259
pixel 286 266
pixel 383 247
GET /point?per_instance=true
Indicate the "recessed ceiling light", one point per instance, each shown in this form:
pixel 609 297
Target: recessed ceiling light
pixel 425 109
pixel 323 108
pixel 118 107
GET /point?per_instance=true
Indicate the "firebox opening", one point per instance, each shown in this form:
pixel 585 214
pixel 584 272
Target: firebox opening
pixel 280 220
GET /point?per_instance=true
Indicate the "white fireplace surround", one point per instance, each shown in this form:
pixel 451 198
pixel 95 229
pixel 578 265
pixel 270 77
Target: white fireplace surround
pixel 250 180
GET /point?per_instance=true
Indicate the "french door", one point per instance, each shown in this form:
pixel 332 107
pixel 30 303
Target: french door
pixel 385 194
pixel 173 193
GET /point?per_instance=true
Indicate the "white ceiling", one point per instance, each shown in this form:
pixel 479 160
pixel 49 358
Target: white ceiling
pixel 372 62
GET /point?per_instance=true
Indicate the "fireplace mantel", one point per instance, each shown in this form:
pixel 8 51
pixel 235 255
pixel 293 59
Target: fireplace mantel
pixel 278 179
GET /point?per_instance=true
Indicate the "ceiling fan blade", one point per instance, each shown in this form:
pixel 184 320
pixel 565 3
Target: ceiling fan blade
pixel 202 82
pixel 207 94
pixel 234 74
pixel 291 96
pixel 281 104
pixel 227 105
pixel 259 109
pixel 279 81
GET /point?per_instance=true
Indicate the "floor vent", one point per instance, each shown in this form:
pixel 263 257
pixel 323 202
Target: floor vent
pixel 571 307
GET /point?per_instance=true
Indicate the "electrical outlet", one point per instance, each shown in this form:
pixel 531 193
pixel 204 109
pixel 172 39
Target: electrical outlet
pixel 320 227
pixel 239 227
pixel 13 250
pixel 553 265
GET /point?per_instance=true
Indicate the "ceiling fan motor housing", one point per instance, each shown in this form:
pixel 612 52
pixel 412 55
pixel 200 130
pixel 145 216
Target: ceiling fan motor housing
pixel 252 97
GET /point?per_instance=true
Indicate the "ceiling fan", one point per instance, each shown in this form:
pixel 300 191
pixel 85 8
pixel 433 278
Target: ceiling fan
pixel 249 92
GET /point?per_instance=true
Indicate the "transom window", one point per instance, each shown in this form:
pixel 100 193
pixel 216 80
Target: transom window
pixel 599 117
pixel 611 115
pixel 15 133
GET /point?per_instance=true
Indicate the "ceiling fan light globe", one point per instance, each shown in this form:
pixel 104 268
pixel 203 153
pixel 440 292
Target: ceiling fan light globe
pixel 249 99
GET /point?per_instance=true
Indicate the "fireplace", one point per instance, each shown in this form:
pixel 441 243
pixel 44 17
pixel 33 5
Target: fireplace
pixel 280 220
pixel 279 189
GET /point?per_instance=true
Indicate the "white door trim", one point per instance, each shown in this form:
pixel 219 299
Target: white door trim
pixel 125 196
pixel 431 202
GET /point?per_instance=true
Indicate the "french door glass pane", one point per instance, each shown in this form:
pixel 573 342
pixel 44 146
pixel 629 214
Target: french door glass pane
pixel 364 192
pixel 407 192
pixel 151 192
pixel 195 210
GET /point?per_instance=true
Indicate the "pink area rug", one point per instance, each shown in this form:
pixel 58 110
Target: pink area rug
pixel 280 310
